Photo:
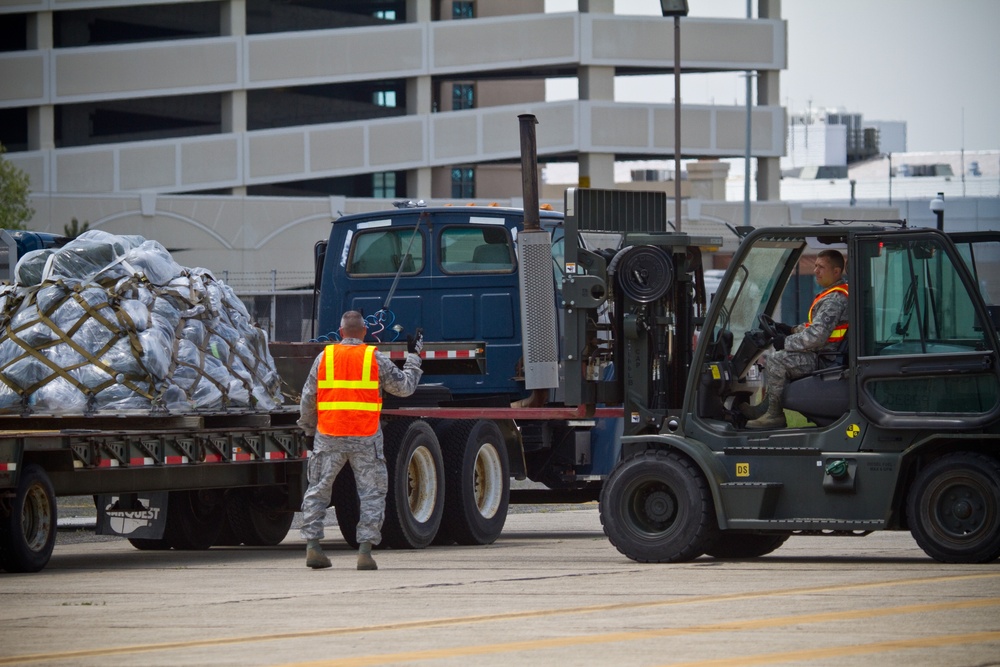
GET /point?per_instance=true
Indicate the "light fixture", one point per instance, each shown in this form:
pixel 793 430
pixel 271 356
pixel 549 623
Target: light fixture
pixel 674 7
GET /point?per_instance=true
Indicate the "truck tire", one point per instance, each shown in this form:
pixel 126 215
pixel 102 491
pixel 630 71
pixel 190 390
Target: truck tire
pixel 656 507
pixel 745 545
pixel 28 533
pixel 258 516
pixel 344 499
pixel 477 483
pixel 194 518
pixel 149 544
pixel 953 508
pixel 415 502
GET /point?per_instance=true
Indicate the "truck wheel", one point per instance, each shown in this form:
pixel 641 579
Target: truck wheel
pixel 953 508
pixel 477 483
pixel 194 518
pixel 656 508
pixel 29 527
pixel 258 516
pixel 415 502
pixel 147 544
pixel 344 499
pixel 745 545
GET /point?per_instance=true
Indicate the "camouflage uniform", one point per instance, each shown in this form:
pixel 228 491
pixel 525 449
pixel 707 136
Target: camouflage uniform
pixel 364 453
pixel 803 346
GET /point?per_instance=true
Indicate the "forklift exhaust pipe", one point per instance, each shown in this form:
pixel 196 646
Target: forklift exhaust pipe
pixel 539 344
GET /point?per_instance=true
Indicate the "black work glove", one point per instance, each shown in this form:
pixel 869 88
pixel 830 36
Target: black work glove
pixel 415 343
pixel 779 342
pixel 783 328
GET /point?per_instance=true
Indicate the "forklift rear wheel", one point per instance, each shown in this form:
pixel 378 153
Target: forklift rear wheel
pixel 656 507
pixel 28 533
pixel 954 508
pixel 745 545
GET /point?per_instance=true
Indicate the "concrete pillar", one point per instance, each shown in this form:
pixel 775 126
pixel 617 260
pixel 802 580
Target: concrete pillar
pixel 597 170
pixel 233 23
pixel 41 119
pixel 768 93
pixel 707 179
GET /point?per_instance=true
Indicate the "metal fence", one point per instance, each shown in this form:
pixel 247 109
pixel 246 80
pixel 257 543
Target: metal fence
pixel 280 302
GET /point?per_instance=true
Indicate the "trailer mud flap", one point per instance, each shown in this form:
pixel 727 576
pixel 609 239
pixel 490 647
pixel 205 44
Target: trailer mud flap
pixel 133 515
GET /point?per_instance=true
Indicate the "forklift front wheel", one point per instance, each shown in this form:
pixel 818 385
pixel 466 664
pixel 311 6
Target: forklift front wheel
pixel 656 507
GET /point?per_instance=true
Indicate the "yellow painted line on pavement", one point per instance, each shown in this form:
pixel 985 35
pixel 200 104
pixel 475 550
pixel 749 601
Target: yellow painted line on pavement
pixel 469 620
pixel 845 651
pixel 612 637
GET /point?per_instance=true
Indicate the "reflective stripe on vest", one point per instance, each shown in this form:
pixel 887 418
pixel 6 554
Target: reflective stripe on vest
pixel 348 402
pixel 840 330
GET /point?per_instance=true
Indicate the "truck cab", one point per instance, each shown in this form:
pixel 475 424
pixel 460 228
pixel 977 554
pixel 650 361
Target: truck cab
pixel 899 430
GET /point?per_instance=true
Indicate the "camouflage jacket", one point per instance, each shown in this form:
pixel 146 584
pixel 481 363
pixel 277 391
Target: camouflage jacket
pixel 827 314
pixel 390 378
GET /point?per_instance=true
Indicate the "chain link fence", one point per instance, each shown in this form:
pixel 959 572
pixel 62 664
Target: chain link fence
pixel 280 302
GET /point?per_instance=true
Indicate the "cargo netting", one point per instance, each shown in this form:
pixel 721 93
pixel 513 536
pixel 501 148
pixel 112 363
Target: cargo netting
pixel 112 323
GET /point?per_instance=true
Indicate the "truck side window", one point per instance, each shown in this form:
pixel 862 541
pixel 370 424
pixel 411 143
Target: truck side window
pixel 476 249
pixel 380 252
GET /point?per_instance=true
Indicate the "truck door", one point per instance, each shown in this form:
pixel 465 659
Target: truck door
pixel 928 351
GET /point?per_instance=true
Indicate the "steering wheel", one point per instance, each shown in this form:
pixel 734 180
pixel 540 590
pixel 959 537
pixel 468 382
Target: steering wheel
pixel 767 325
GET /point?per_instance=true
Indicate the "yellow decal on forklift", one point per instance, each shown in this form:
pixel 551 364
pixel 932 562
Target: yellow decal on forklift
pixel 742 469
pixel 853 431
pixel 716 373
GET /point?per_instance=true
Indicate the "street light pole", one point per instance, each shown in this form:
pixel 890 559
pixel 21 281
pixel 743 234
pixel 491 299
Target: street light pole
pixel 937 208
pixel 676 9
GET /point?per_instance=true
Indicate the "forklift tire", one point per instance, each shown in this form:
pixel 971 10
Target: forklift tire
pixel 477 483
pixel 953 508
pixel 414 504
pixel 745 545
pixel 28 533
pixel 656 507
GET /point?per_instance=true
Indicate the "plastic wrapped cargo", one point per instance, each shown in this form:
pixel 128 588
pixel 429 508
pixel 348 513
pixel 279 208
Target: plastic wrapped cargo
pixel 112 323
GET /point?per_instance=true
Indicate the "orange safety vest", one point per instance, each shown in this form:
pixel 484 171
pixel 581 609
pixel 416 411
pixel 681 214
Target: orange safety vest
pixel 348 401
pixel 840 330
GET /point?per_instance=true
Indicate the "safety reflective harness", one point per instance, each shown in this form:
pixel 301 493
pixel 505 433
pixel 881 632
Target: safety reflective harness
pixel 840 330
pixel 348 402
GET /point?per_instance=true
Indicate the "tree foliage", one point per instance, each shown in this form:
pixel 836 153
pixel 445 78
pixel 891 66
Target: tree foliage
pixel 74 228
pixel 14 191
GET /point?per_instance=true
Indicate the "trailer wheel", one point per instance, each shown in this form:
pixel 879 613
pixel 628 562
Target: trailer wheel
pixel 656 508
pixel 29 523
pixel 415 502
pixel 745 545
pixel 953 508
pixel 195 518
pixel 344 499
pixel 148 544
pixel 258 516
pixel 477 483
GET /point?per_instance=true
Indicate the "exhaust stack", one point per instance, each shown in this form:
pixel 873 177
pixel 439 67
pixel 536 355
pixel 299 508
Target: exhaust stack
pixel 539 343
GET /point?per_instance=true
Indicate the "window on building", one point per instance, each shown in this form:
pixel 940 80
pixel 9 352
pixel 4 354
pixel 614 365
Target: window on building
pixel 384 98
pixel 463 10
pixel 384 185
pixel 463 96
pixel 463 182
pixel 386 14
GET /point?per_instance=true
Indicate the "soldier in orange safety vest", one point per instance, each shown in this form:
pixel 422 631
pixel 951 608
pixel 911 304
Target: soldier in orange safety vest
pixel 797 349
pixel 341 405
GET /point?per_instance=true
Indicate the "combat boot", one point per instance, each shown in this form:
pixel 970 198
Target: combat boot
pixel 315 558
pixel 773 418
pixel 365 560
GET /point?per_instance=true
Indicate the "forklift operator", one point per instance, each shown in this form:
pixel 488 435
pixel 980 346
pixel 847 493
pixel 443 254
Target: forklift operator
pixel 797 349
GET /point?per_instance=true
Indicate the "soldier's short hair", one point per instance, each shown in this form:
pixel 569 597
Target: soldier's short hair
pixel 835 257
pixel 353 322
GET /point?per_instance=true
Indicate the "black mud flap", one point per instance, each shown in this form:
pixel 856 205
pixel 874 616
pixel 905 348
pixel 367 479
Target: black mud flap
pixel 133 515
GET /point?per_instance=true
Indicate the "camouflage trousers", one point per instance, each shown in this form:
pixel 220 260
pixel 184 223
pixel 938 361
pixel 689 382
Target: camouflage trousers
pixel 372 482
pixel 782 366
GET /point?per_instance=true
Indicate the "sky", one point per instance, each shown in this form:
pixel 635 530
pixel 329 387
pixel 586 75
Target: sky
pixel 934 65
